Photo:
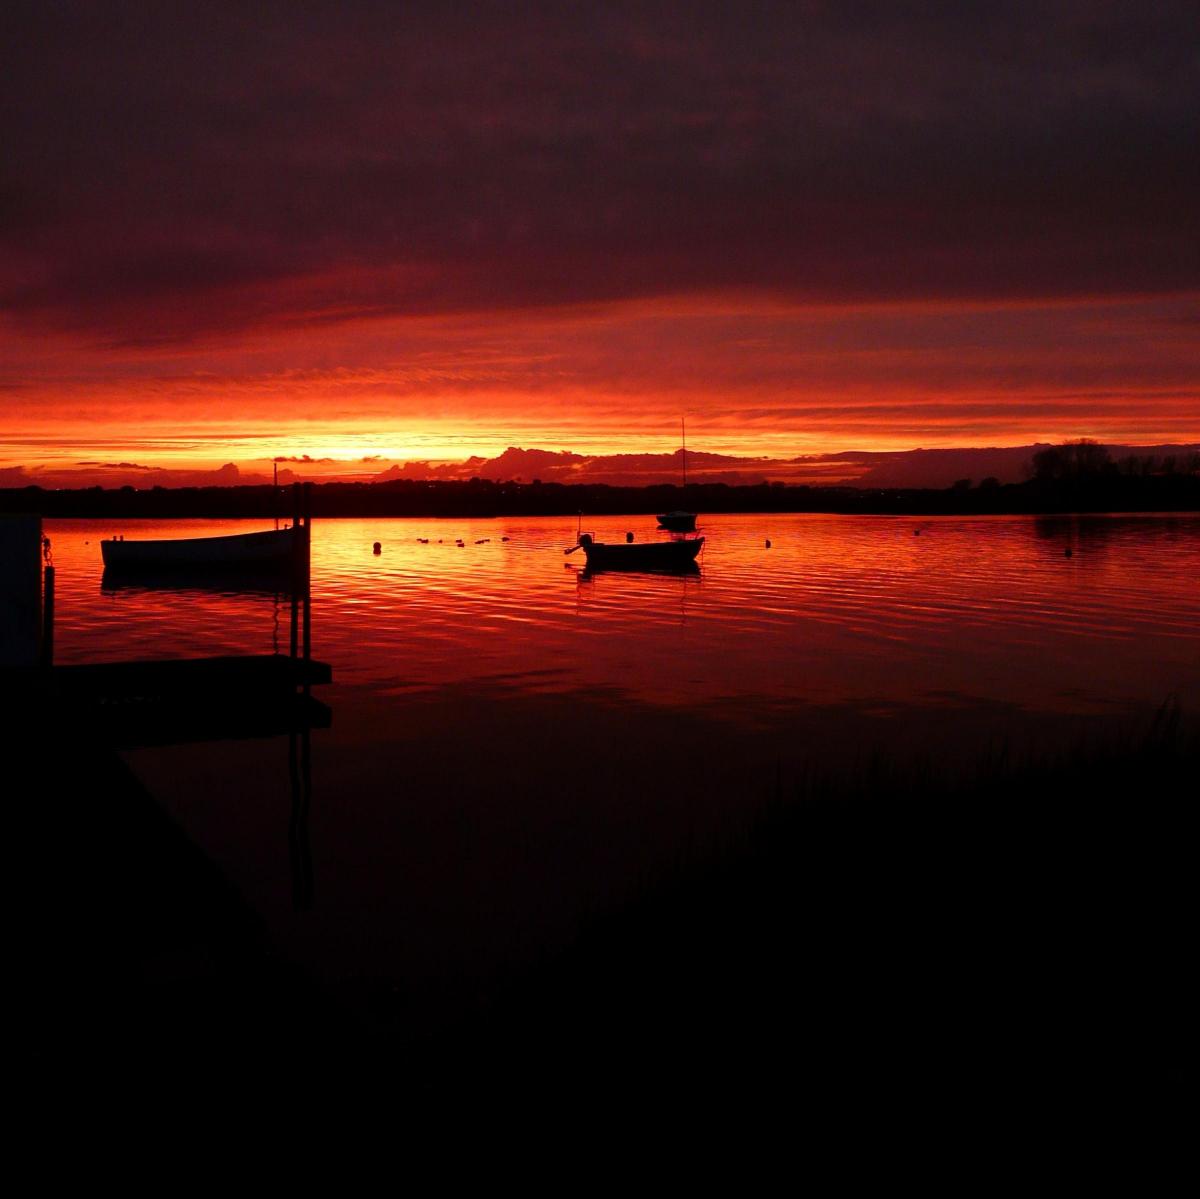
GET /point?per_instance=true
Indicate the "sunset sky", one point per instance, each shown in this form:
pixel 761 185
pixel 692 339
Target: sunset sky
pixel 403 231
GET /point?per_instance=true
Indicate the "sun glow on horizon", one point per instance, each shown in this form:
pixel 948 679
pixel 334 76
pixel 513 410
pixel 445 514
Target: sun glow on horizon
pixel 752 379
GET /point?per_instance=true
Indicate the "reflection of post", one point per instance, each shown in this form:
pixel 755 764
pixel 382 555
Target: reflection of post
pixel 48 619
pixel 300 772
pixel 300 737
pixel 306 546
pixel 295 630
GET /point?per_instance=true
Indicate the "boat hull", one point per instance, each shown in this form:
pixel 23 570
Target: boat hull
pixel 275 547
pixel 645 555
pixel 678 522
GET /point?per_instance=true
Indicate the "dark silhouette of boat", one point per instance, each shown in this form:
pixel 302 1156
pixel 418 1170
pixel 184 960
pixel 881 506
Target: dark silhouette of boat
pixel 275 547
pixel 643 555
pixel 678 521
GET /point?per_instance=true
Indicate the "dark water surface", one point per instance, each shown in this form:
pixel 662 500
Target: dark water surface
pixel 515 744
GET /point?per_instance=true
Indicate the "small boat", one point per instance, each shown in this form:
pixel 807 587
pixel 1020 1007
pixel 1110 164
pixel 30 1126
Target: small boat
pixel 275 547
pixel 678 522
pixel 643 555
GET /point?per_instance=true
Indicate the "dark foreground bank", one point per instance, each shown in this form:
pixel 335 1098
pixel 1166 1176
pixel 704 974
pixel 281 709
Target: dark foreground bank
pixel 1020 935
pixel 1014 935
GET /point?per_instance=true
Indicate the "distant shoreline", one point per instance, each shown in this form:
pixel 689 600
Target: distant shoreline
pixel 484 498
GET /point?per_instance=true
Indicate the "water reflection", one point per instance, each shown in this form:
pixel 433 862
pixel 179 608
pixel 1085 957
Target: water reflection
pixel 299 847
pixel 681 570
pixel 519 738
pixel 839 609
pixel 243 582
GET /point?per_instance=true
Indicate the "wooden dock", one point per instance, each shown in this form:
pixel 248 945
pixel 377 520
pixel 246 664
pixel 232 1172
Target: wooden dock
pixel 169 701
pixel 178 700
pixel 115 682
pixel 131 945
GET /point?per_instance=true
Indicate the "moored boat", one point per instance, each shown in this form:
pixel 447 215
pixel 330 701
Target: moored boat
pixel 643 555
pixel 274 547
pixel 678 522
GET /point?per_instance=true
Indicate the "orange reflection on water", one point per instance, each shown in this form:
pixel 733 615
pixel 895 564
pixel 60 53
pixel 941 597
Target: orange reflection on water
pixel 875 612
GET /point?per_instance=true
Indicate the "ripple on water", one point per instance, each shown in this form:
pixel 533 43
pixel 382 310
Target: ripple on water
pixel 840 606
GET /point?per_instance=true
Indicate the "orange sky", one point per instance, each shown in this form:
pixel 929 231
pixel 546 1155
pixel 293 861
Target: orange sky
pixel 356 232
pixel 752 377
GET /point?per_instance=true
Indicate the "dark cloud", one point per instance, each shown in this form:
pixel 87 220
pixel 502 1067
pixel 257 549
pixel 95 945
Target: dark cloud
pixel 171 170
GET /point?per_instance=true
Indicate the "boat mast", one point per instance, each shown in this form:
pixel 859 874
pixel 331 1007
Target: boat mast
pixel 683 443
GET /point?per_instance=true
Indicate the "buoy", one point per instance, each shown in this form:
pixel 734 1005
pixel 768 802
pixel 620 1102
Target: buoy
pixel 916 532
pixel 505 539
pixel 377 548
pixel 628 537
pixel 768 543
pixel 1067 552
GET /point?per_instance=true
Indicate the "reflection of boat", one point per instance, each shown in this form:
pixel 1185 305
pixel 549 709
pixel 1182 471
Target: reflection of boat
pixel 678 522
pixel 238 551
pixel 683 570
pixel 644 555
pixel 255 579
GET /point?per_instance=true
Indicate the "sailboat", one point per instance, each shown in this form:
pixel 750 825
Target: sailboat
pixel 678 521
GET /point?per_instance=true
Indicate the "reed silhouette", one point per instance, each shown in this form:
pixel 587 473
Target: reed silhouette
pixel 1014 932
pixel 1001 937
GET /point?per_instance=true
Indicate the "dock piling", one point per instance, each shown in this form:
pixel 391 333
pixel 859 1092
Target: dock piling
pixel 306 553
pixel 296 572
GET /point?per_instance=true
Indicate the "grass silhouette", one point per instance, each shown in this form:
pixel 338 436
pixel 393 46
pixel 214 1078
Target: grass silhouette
pixel 1018 929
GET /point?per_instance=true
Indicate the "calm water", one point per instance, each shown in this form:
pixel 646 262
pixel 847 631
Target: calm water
pixel 515 744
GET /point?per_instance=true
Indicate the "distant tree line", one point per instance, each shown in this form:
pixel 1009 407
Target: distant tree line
pixel 1086 460
pixel 1079 476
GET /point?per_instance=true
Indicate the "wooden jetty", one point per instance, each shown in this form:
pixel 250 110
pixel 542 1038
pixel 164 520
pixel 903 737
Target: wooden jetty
pixel 170 701
pixel 132 946
pixel 128 704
